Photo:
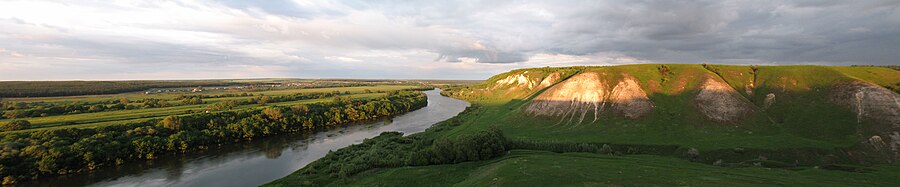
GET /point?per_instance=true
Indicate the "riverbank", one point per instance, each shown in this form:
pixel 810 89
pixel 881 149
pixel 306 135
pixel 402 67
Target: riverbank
pixel 252 163
pixel 66 151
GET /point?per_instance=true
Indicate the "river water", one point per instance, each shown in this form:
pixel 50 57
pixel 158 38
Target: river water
pixel 260 161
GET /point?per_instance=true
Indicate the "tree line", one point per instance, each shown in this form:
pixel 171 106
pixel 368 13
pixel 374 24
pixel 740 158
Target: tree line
pixel 392 149
pixel 69 88
pixel 44 109
pixel 29 155
pixel 14 110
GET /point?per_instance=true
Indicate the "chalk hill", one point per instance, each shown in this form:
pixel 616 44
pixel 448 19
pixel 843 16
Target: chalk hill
pixel 856 106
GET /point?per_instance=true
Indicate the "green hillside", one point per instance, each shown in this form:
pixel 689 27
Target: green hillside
pixel 730 124
pixel 801 105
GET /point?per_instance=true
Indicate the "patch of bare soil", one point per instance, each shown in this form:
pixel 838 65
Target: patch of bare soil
pixel 574 97
pixel 769 101
pixel 549 80
pixel 720 102
pixel 629 100
pixel 869 102
pixel 876 105
pixel 679 84
pixel 653 86
pixel 519 80
pixel 586 95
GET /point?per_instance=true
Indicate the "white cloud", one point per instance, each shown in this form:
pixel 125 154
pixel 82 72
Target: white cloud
pixel 343 58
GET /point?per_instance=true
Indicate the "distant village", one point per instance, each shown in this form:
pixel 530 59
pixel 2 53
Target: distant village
pixel 192 90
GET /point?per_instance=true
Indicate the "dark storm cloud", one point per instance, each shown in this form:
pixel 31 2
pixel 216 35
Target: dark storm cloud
pixel 719 31
pixel 836 32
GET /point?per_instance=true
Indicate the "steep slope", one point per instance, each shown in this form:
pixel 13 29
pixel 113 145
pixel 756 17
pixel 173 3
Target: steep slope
pixel 870 102
pixel 517 81
pixel 577 96
pixel 629 100
pixel 516 84
pixel 877 113
pixel 587 94
pixel 801 98
pixel 721 103
pixel 692 104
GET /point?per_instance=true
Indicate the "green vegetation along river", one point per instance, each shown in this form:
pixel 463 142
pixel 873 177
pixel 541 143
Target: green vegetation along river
pixel 259 161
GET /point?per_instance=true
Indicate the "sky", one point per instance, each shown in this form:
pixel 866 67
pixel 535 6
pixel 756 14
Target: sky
pixel 158 39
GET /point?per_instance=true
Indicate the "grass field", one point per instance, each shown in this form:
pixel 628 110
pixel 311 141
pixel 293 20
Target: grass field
pixel 539 168
pixel 117 117
pixel 137 96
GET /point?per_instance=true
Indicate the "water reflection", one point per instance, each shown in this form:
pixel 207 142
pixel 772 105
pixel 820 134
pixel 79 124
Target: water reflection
pixel 255 163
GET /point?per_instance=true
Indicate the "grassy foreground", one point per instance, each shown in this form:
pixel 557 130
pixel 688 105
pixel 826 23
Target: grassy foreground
pixel 541 168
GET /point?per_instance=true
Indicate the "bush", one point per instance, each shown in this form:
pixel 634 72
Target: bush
pixel 392 149
pixel 172 122
pixel 665 72
pixel 479 146
pixel 693 154
pixel 15 125
pixel 712 68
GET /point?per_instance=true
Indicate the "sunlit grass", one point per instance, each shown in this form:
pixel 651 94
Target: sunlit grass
pixel 97 119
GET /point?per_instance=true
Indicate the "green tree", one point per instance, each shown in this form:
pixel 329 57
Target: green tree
pixel 172 122
pixel 96 108
pixel 263 100
pixel 13 114
pixel 665 72
pixel 223 105
pixel 15 125
pixel 273 113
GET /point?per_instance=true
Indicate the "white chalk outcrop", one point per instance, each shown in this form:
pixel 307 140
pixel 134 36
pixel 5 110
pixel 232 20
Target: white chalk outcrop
pixel 720 102
pixel 586 95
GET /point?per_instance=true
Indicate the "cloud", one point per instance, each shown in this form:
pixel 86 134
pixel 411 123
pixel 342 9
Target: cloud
pixel 343 58
pixel 466 39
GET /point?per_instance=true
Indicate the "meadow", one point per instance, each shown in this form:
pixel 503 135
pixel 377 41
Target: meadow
pixel 542 168
pixel 116 117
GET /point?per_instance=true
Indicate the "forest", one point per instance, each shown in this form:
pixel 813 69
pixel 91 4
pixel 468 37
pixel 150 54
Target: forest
pixel 30 155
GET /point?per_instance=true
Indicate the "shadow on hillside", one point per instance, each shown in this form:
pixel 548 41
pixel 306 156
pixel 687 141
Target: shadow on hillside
pixel 812 118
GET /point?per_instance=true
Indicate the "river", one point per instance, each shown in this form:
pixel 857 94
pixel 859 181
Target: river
pixel 260 161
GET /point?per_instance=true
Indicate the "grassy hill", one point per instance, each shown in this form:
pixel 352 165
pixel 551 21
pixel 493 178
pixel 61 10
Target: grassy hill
pixel 801 105
pixel 727 119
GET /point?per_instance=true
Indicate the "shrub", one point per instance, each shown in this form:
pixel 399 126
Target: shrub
pixel 15 125
pixel 693 154
pixel 665 72
pixel 712 68
pixel 172 122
